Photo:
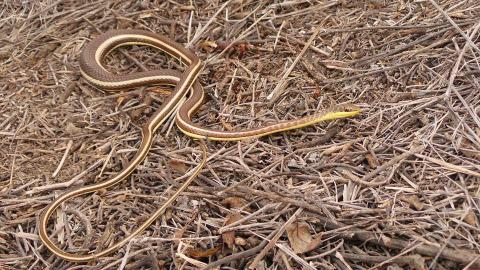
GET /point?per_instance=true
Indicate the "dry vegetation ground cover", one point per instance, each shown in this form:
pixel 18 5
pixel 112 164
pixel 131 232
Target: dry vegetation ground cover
pixel 396 187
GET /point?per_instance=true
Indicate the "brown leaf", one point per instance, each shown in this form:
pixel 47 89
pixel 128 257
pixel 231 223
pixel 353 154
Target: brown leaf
pixel 168 214
pixel 375 4
pixel 178 166
pixel 416 262
pixel 471 219
pixel 202 253
pixel 179 234
pixel 208 45
pixel 240 241
pixel 121 99
pixel 229 237
pixel 226 125
pixel 234 202
pixel 372 160
pixel 72 129
pixel 412 200
pixel 121 197
pixel 300 238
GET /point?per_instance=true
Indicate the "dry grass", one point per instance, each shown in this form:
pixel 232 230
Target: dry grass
pixel 395 187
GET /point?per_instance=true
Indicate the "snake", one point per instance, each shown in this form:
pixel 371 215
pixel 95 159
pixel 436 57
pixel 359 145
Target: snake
pixel 184 101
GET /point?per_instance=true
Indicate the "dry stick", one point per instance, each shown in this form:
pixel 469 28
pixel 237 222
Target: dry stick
pixel 412 247
pixel 453 74
pixel 199 32
pixel 454 71
pixel 297 258
pixel 373 58
pixel 447 165
pixel 241 36
pixel 274 240
pixel 299 203
pixel 299 41
pixel 134 60
pixel 389 27
pixel 460 256
pixel 288 37
pixel 446 242
pixel 231 226
pixel 460 31
pixel 368 73
pixel 384 166
pixel 471 263
pixel 285 260
pixel 378 259
pixel 279 89
pixel 243 254
pixel 60 165
pixel 192 261
pixel 65 184
pixel 460 119
pixel 326 253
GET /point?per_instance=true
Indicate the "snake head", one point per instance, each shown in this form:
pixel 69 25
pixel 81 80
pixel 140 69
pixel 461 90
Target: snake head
pixel 344 110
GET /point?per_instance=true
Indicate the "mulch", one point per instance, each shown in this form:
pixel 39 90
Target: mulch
pixel 396 187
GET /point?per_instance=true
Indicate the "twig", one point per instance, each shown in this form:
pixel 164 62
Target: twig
pixel 239 255
pixel 64 157
pixel 460 31
pixel 65 184
pixel 278 90
pixel 275 238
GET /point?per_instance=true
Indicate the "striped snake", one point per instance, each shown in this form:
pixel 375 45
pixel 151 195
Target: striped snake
pixel 184 101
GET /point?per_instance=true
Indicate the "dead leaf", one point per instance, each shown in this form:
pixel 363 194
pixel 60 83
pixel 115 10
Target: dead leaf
pixel 416 262
pixel 168 214
pixel 471 219
pixel 179 234
pixel 121 99
pixel 234 202
pixel 208 45
pixel 240 241
pixel 121 198
pixel 412 200
pixel 375 4
pixel 203 253
pixel 72 129
pixel 226 125
pixel 178 166
pixel 300 238
pixel 229 237
pixel 372 160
